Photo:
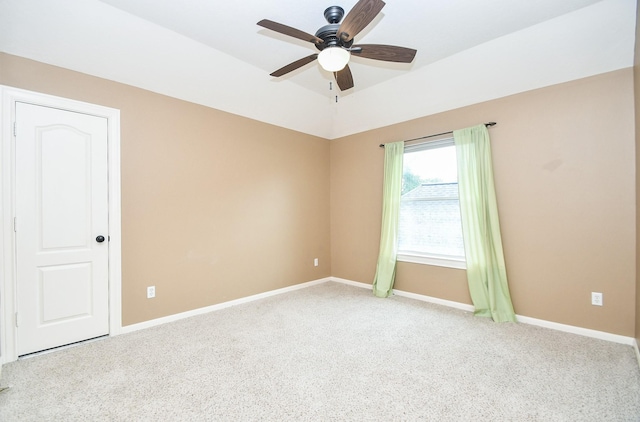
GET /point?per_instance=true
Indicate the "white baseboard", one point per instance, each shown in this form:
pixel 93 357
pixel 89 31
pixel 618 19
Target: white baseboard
pixel 430 299
pixel 601 335
pixel 207 309
pixel 615 338
pixel 437 301
pixel 351 283
pixel 457 305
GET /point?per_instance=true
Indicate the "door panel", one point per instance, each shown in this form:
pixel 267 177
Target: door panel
pixel 64 212
pixel 66 292
pixel 61 207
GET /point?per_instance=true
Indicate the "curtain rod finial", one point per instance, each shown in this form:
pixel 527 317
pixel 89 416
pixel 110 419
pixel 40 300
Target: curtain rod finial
pixel 490 124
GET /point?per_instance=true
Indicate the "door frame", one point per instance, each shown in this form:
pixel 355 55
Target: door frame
pixel 8 296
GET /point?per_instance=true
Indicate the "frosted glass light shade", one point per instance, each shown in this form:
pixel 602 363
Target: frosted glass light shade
pixel 333 59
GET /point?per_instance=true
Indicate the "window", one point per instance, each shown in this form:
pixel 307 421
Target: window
pixel 430 227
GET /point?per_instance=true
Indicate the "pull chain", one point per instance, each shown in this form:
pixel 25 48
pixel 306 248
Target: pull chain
pixel 331 89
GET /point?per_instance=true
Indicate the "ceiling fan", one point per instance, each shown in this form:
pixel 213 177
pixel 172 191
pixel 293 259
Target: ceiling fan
pixel 335 42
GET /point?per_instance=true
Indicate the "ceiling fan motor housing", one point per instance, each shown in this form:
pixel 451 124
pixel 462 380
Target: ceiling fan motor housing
pixel 329 33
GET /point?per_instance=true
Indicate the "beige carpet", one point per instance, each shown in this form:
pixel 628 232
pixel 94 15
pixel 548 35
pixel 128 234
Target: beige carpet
pixel 329 352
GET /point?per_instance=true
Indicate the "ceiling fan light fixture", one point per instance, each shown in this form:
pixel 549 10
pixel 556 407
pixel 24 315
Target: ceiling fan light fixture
pixel 334 59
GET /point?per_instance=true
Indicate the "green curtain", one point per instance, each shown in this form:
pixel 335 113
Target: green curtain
pixel 486 271
pixel 386 268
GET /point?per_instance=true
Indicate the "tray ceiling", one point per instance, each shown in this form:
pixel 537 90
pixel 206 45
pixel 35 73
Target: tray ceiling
pixel 213 53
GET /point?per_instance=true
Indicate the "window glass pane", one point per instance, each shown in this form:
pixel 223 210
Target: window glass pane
pixel 436 165
pixel 429 209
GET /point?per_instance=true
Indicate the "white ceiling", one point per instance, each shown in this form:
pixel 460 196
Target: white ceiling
pixel 212 52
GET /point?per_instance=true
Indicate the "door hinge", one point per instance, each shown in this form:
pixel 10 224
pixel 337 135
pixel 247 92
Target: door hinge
pixel 16 320
pixel 15 224
pixel 15 129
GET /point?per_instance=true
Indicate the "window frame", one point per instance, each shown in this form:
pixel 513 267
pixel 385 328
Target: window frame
pixel 426 258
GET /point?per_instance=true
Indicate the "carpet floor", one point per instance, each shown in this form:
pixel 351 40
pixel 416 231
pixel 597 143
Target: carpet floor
pixel 329 352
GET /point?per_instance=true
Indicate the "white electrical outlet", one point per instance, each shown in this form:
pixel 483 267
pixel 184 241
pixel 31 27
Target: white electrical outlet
pixel 315 262
pixel 596 298
pixel 151 292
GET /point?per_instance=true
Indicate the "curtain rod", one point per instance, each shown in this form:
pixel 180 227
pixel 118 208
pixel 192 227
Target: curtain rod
pixel 439 134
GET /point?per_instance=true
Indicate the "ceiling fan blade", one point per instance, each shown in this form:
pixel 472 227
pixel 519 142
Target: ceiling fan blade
pixel 287 30
pixel 358 18
pixel 344 78
pixel 295 65
pixel 387 53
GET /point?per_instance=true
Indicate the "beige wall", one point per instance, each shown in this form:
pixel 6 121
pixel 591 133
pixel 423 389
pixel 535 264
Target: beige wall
pixel 214 206
pixel 217 207
pixel 565 180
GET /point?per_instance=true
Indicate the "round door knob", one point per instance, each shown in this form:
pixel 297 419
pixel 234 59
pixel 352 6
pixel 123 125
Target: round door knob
pixel 100 239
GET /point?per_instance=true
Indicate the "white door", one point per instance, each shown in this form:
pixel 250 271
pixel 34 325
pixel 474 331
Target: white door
pixel 61 220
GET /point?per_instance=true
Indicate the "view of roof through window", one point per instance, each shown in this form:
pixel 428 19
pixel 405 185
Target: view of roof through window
pixel 430 210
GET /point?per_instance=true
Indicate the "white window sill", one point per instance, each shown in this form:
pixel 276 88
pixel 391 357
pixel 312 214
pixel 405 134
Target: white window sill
pixel 440 261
